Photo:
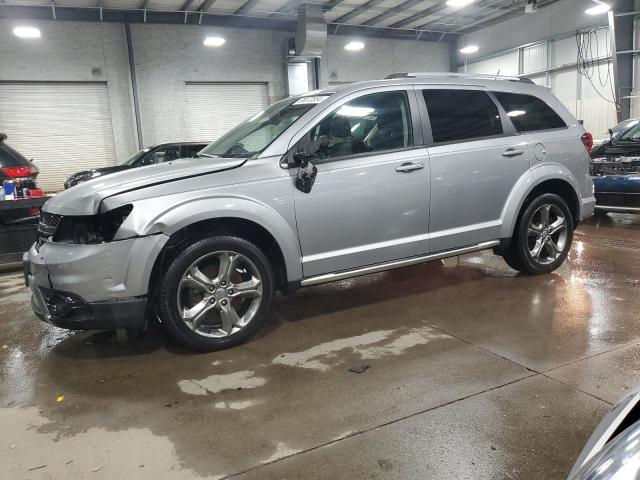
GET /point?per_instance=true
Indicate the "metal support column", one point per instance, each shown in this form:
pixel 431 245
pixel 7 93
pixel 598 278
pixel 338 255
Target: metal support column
pixel 134 85
pixel 621 28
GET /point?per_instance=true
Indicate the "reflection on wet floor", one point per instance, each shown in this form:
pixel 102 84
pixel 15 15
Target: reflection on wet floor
pixel 474 372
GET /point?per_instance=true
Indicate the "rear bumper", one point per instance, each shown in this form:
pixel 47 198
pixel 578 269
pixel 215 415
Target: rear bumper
pixel 587 207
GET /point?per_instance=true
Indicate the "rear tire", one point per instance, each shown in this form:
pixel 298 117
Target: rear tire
pixel 216 293
pixel 543 236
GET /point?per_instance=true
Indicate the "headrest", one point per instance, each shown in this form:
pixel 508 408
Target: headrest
pixel 340 127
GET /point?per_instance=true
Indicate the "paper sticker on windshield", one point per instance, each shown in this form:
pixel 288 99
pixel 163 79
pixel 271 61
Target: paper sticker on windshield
pixel 310 100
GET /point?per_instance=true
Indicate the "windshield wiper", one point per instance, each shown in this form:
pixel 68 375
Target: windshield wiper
pixel 208 155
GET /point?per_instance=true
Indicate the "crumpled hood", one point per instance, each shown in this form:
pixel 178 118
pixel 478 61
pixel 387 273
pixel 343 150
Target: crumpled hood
pixel 620 148
pixel 85 198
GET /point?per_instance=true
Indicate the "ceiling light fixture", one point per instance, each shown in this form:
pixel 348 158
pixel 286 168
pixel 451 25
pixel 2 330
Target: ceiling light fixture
pixel 459 3
pixel 214 41
pixel 26 32
pixel 598 9
pixel 354 46
pixel 469 49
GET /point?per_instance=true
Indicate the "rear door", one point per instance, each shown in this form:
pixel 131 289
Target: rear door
pixel 476 158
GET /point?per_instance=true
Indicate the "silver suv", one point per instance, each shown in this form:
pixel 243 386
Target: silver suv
pixel 325 186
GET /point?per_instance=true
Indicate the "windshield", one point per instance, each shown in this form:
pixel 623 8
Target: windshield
pixel 632 134
pixel 255 134
pixel 629 129
pixel 134 157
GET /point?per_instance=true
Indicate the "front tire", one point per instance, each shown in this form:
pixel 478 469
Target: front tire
pixel 216 293
pixel 543 236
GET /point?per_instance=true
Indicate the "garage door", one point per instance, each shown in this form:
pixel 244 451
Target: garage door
pixel 63 127
pixel 215 108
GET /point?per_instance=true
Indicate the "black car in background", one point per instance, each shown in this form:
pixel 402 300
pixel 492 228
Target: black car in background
pixel 163 152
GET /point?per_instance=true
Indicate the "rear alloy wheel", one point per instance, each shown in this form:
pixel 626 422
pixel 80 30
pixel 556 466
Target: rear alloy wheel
pixel 543 237
pixel 216 293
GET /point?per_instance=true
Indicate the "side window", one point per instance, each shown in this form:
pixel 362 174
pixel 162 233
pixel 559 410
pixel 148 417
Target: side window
pixel 371 123
pixel 191 151
pixel 461 114
pixel 529 113
pixel 162 155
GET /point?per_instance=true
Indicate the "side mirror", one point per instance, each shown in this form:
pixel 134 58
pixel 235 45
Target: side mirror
pixel 306 176
pixel 307 171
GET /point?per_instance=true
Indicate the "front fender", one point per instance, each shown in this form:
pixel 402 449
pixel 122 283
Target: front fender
pixel 525 185
pixel 149 218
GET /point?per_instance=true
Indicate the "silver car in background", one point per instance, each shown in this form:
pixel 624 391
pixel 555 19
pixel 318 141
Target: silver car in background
pixel 613 451
pixel 319 187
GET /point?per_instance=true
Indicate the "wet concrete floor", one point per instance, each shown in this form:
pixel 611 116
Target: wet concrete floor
pixel 474 372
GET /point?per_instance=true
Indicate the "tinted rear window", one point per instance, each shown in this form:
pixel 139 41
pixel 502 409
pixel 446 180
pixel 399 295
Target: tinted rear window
pixel 461 114
pixel 10 158
pixel 529 113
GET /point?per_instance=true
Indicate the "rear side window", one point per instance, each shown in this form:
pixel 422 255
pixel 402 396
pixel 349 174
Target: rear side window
pixel 461 115
pixel 10 157
pixel 529 113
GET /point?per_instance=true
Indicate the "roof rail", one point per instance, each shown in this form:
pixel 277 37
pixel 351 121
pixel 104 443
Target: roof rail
pixel 479 76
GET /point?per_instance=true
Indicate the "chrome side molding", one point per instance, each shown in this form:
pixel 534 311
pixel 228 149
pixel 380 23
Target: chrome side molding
pixel 381 267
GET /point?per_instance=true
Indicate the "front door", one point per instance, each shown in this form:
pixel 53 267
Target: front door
pixel 476 159
pixel 370 200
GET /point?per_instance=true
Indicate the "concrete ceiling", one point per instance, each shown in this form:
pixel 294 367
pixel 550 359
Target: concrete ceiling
pixel 395 15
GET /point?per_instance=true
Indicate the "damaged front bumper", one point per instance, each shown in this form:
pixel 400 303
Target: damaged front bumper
pixel 86 287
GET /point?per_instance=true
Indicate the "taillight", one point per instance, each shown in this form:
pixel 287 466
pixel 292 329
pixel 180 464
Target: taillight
pixel 19 172
pixel 587 141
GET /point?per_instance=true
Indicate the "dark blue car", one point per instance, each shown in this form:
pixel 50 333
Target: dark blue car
pixel 615 167
pixel 617 193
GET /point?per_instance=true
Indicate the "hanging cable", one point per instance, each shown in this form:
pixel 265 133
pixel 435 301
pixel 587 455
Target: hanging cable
pixel 587 63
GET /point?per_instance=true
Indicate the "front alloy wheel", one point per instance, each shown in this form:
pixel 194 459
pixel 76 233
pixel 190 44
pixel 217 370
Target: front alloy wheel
pixel 216 293
pixel 219 294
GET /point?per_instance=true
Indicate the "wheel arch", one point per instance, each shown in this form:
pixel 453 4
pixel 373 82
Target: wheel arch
pixel 243 218
pixel 555 179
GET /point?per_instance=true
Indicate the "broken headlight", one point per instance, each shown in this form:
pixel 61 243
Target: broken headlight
pixel 110 221
pixel 91 229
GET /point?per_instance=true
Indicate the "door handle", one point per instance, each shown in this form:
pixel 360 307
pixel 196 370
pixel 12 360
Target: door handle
pixel 512 152
pixel 409 167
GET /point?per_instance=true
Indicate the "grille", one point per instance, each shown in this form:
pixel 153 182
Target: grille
pixel 47 227
pixel 600 167
pixel 47 218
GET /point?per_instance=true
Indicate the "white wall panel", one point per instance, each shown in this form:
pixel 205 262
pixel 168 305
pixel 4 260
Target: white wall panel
pixel 534 58
pixel 539 80
pixel 75 52
pixel 379 58
pixel 563 52
pixel 598 115
pixel 214 108
pixel 504 64
pixel 63 127
pixel 549 21
pixel 564 85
